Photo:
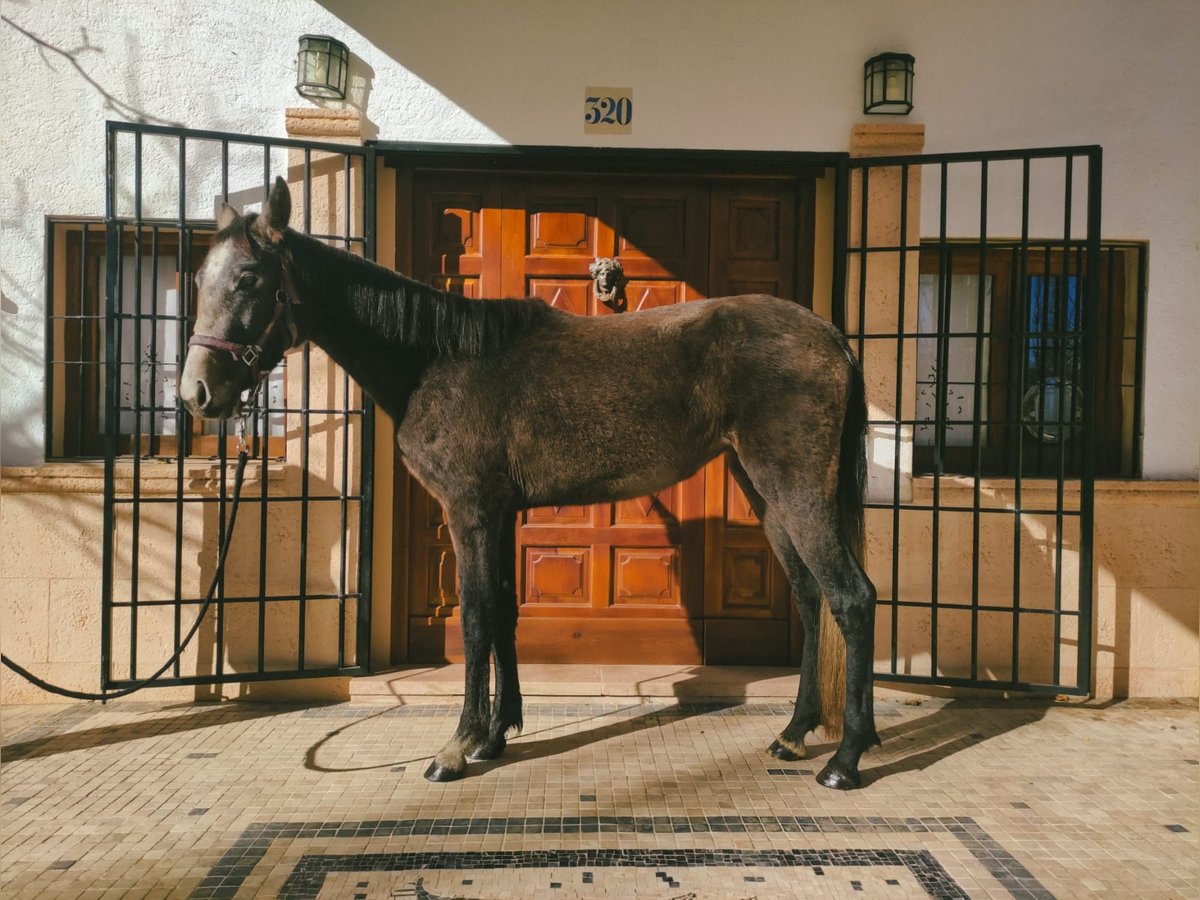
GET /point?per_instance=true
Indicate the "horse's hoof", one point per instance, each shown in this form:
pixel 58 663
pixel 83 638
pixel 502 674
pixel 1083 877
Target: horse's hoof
pixel 491 750
pixel 787 754
pixel 839 780
pixel 439 773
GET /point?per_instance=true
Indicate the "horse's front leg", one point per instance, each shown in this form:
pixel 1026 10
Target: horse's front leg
pixel 477 541
pixel 506 706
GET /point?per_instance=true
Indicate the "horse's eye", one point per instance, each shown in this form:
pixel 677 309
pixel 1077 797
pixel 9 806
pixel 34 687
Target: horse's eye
pixel 247 282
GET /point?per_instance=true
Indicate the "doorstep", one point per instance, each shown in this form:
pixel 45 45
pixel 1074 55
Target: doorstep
pixel 426 683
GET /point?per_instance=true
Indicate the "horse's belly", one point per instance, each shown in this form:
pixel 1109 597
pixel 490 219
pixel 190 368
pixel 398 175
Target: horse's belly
pixel 579 478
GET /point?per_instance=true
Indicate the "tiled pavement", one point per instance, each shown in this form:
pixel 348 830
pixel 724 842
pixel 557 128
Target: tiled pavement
pixel 598 797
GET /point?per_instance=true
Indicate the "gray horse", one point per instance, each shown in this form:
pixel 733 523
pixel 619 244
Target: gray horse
pixel 503 405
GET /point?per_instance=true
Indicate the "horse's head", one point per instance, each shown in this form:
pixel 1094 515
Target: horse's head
pixel 244 315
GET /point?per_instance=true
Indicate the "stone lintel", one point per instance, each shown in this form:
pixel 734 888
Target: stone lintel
pixel 886 139
pixel 340 125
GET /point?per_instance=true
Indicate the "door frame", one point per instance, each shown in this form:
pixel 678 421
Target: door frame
pixel 410 158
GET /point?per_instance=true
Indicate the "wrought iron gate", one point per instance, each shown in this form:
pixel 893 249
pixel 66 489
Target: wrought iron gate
pixel 968 285
pixel 294 600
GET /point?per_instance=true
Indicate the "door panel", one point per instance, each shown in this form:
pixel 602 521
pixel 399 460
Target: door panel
pixel 747 597
pixel 642 558
pixel 684 576
pixel 456 238
pixel 575 297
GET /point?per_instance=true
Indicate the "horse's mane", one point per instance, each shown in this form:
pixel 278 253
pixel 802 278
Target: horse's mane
pixel 401 311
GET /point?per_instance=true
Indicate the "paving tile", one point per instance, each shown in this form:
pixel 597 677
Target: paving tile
pixel 599 797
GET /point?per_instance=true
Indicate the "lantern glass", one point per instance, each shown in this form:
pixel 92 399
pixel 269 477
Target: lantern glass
pixel 888 84
pixel 321 66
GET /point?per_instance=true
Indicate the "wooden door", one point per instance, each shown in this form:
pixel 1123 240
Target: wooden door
pixel 747 607
pixel 684 576
pixel 619 582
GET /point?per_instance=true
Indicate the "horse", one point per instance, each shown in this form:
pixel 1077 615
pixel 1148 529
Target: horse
pixel 504 405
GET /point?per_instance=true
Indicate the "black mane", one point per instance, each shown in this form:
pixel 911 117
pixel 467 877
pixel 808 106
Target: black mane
pixel 404 312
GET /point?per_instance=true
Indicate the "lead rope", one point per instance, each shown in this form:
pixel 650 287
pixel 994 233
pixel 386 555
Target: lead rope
pixel 238 478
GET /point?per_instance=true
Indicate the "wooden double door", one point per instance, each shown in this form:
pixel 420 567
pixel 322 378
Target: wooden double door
pixel 684 576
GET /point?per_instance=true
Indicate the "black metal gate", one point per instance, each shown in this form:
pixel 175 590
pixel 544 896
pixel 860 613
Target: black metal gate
pixel 968 284
pixel 294 600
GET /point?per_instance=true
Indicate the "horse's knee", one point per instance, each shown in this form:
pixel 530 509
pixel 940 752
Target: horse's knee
pixel 854 615
pixel 853 602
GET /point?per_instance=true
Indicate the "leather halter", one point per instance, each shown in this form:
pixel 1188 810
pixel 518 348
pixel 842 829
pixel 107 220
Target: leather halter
pixel 250 354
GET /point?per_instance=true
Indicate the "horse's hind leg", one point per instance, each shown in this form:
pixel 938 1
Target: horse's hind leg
pixel 809 515
pixel 852 601
pixel 477 540
pixel 807 595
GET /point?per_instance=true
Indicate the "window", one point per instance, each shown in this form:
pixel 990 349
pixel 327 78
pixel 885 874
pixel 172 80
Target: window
pixel 155 290
pixel 1000 368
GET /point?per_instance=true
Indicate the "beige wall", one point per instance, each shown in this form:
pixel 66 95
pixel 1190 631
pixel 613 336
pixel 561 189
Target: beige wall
pixel 1146 538
pixel 1147 551
pixel 1147 609
pixel 1147 573
pixel 775 75
pixel 51 520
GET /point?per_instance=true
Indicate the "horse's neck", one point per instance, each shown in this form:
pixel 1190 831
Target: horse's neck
pixel 338 322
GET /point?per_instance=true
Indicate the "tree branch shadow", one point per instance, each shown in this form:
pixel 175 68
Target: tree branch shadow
pixel 111 101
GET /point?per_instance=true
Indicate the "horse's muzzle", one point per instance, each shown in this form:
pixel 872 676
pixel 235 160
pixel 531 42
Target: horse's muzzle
pixel 210 385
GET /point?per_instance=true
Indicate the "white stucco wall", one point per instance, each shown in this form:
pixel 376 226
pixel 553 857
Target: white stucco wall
pixel 748 75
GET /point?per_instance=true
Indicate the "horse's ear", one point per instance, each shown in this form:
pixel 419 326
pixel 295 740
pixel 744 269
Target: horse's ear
pixel 274 220
pixel 226 217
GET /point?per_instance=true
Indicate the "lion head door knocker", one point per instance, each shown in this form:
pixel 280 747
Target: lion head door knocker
pixel 609 279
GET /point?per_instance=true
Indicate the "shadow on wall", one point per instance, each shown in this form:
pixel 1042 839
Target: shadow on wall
pixel 966 564
pixel 359 79
pixel 299 549
pixel 52 601
pixel 517 73
pixel 76 58
pixel 432 46
pixel 1145 565
pixel 21 336
pixel 20 358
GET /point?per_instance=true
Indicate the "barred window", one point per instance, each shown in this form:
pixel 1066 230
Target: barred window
pixel 1006 322
pixel 156 292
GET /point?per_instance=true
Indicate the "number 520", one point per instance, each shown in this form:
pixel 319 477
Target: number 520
pixel 608 111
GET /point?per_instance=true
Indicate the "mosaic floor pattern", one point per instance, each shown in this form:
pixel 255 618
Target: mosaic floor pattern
pixel 597 799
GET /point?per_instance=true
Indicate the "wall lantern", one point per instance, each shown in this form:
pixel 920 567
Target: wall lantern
pixel 888 84
pixel 321 67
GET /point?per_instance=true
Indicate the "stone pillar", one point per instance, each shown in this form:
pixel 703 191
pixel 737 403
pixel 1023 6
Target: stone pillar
pixel 885 305
pixel 332 204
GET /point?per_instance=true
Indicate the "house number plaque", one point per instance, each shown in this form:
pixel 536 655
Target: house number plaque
pixel 608 110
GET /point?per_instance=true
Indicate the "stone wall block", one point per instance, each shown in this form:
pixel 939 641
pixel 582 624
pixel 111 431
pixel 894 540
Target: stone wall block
pixel 25 621
pixel 51 535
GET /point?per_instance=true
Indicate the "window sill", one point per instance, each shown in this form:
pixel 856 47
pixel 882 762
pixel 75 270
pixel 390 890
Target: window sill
pixel 158 477
pixel 959 490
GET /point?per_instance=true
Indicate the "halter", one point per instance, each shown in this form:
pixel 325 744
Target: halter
pixel 250 354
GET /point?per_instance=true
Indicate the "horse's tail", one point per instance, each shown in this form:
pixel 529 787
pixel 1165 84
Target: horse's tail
pixel 851 487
